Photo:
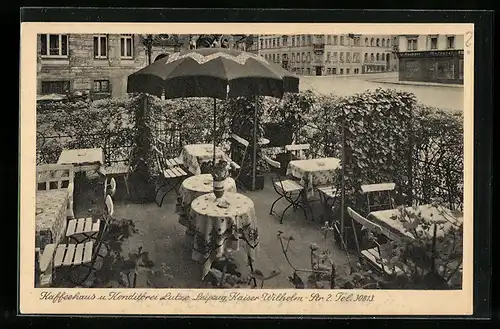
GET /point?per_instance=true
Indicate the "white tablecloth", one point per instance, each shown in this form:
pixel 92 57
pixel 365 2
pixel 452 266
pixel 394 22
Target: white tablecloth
pixel 83 159
pixel 220 228
pixel 313 172
pixel 442 217
pixel 193 187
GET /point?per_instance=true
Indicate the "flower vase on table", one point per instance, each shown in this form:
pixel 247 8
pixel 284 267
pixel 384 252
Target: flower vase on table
pixel 220 173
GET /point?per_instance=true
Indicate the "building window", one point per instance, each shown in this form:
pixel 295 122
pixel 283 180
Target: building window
pixel 54 45
pixel 347 71
pixel 55 87
pixel 372 57
pixel 274 58
pixel 261 44
pixel 303 42
pixel 334 70
pixel 278 58
pixel 309 57
pixel 372 42
pixel 293 58
pixel 328 57
pixel 412 44
pixel 378 42
pixel 378 57
pixel 434 42
pixel 101 86
pixel 309 41
pixel 388 42
pixel 348 57
pixel 329 39
pixel 383 42
pixel 383 57
pixel 366 57
pixel 100 46
pixel 341 59
pixel 285 41
pixel 341 71
pixel 461 69
pixel 335 40
pixel 342 40
pixel 293 41
pixel 278 42
pixel 450 42
pixel 366 42
pixel 335 57
pixel 274 43
pixel 126 46
pixel 303 57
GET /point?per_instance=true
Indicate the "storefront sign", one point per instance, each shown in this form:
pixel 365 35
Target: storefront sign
pixel 432 53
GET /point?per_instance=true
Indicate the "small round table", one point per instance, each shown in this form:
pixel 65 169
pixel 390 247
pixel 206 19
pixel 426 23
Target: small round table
pixel 218 229
pixel 193 187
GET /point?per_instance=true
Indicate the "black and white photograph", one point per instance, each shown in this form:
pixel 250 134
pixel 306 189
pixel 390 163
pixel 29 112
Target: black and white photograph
pixel 260 164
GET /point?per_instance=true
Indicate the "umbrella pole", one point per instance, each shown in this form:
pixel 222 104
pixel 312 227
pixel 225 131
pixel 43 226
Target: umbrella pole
pixel 215 126
pixel 254 143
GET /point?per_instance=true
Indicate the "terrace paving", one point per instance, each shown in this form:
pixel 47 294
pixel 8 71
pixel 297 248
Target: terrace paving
pixel 165 240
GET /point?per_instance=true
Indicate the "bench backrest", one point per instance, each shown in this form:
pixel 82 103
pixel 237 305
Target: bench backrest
pixel 54 177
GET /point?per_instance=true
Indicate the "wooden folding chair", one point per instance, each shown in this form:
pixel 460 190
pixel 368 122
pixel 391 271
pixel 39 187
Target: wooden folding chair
pixel 379 255
pixel 120 169
pixel 238 158
pixel 298 150
pixel 171 173
pixel 378 196
pixel 288 189
pixel 77 260
pixel 81 230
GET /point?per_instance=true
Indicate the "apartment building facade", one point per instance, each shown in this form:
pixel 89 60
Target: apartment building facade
pixel 431 58
pixel 308 54
pixel 98 64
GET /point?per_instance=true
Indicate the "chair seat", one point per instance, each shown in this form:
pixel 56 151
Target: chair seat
pixel 328 191
pixel 174 172
pixel 374 257
pixel 82 226
pixel 117 169
pixel 175 162
pixel 289 186
pixel 73 254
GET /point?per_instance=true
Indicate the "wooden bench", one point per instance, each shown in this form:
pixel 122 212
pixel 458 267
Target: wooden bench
pixel 57 177
pixel 298 150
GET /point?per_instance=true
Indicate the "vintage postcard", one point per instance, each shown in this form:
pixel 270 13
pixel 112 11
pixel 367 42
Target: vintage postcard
pixel 309 169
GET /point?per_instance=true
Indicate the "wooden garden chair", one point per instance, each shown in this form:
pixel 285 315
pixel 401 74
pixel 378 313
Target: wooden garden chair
pixel 120 170
pixel 237 162
pixel 171 173
pixel 109 187
pixel 379 196
pixel 379 255
pixel 79 257
pixel 81 230
pixel 298 150
pixel 288 189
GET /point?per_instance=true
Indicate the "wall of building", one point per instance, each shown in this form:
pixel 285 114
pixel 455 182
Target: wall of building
pixel 80 67
pixel 275 48
pixel 429 61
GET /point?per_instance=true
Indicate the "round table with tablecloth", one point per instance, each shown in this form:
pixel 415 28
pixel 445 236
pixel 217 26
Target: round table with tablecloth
pixel 218 229
pixel 193 187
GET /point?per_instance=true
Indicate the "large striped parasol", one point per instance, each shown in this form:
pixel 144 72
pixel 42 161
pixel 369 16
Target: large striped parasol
pixel 214 72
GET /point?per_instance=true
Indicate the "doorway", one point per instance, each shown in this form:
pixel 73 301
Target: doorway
pixel 318 70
